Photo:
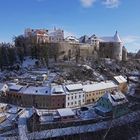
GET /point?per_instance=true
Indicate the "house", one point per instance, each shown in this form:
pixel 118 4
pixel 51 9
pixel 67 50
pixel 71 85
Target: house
pixel 122 82
pixel 94 91
pixel 112 104
pixel 75 96
pixel 66 114
pixel 37 35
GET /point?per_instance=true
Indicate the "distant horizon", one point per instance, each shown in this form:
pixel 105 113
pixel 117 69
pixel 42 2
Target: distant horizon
pixel 75 17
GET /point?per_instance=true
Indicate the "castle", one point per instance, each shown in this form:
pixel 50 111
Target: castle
pixel 85 47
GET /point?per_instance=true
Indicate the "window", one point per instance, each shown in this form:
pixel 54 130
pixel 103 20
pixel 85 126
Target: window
pixel 75 97
pixel 79 96
pixel 68 98
pixel 71 97
pixel 71 103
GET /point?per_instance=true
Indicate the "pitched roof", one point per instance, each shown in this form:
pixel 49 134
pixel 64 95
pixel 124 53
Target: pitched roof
pixel 120 79
pixel 115 38
pixel 64 112
pixel 116 98
pixel 99 86
pixel 73 87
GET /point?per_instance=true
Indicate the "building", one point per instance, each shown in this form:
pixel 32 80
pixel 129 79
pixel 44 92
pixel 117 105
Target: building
pixel 112 104
pixel 66 114
pixel 71 39
pixel 122 83
pixel 58 97
pixel 94 91
pixel 75 96
pixel 56 35
pixel 37 35
pixel 111 47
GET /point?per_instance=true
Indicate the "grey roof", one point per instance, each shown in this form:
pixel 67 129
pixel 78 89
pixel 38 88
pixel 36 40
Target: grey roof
pixel 64 112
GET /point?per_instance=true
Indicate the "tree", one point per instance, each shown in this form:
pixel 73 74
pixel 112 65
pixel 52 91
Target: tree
pixel 21 41
pixel 45 54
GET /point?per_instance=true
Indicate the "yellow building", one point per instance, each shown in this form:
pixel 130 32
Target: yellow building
pixel 94 91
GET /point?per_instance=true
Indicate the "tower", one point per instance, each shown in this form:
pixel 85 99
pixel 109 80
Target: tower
pixel 117 47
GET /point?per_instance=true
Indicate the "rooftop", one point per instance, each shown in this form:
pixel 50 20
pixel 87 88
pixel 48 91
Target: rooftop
pixel 115 38
pixel 99 86
pixel 65 112
pixel 120 79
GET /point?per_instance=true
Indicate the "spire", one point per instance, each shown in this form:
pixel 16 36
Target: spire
pixel 117 37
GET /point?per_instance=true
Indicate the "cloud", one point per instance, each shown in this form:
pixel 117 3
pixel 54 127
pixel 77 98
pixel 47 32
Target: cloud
pixel 107 3
pixel 131 39
pixel 132 42
pixel 111 3
pixel 87 3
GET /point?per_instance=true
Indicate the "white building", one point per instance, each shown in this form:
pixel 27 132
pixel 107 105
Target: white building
pixel 56 35
pixel 71 39
pixel 75 96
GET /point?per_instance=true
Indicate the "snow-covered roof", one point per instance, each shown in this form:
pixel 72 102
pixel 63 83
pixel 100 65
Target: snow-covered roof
pixel 115 38
pixel 36 90
pixel 116 98
pixel 74 87
pixel 99 86
pixel 65 112
pixel 120 79
pixel 71 38
pixel 57 89
pixel 15 87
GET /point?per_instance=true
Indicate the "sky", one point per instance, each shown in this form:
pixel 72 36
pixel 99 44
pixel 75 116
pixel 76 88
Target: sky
pixel 75 17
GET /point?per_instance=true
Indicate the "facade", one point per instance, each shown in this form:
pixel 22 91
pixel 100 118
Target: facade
pixel 57 96
pixel 112 104
pixel 111 47
pixel 56 35
pixel 75 96
pixel 37 35
pixel 94 91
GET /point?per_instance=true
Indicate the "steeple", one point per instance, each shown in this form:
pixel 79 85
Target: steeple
pixel 117 37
